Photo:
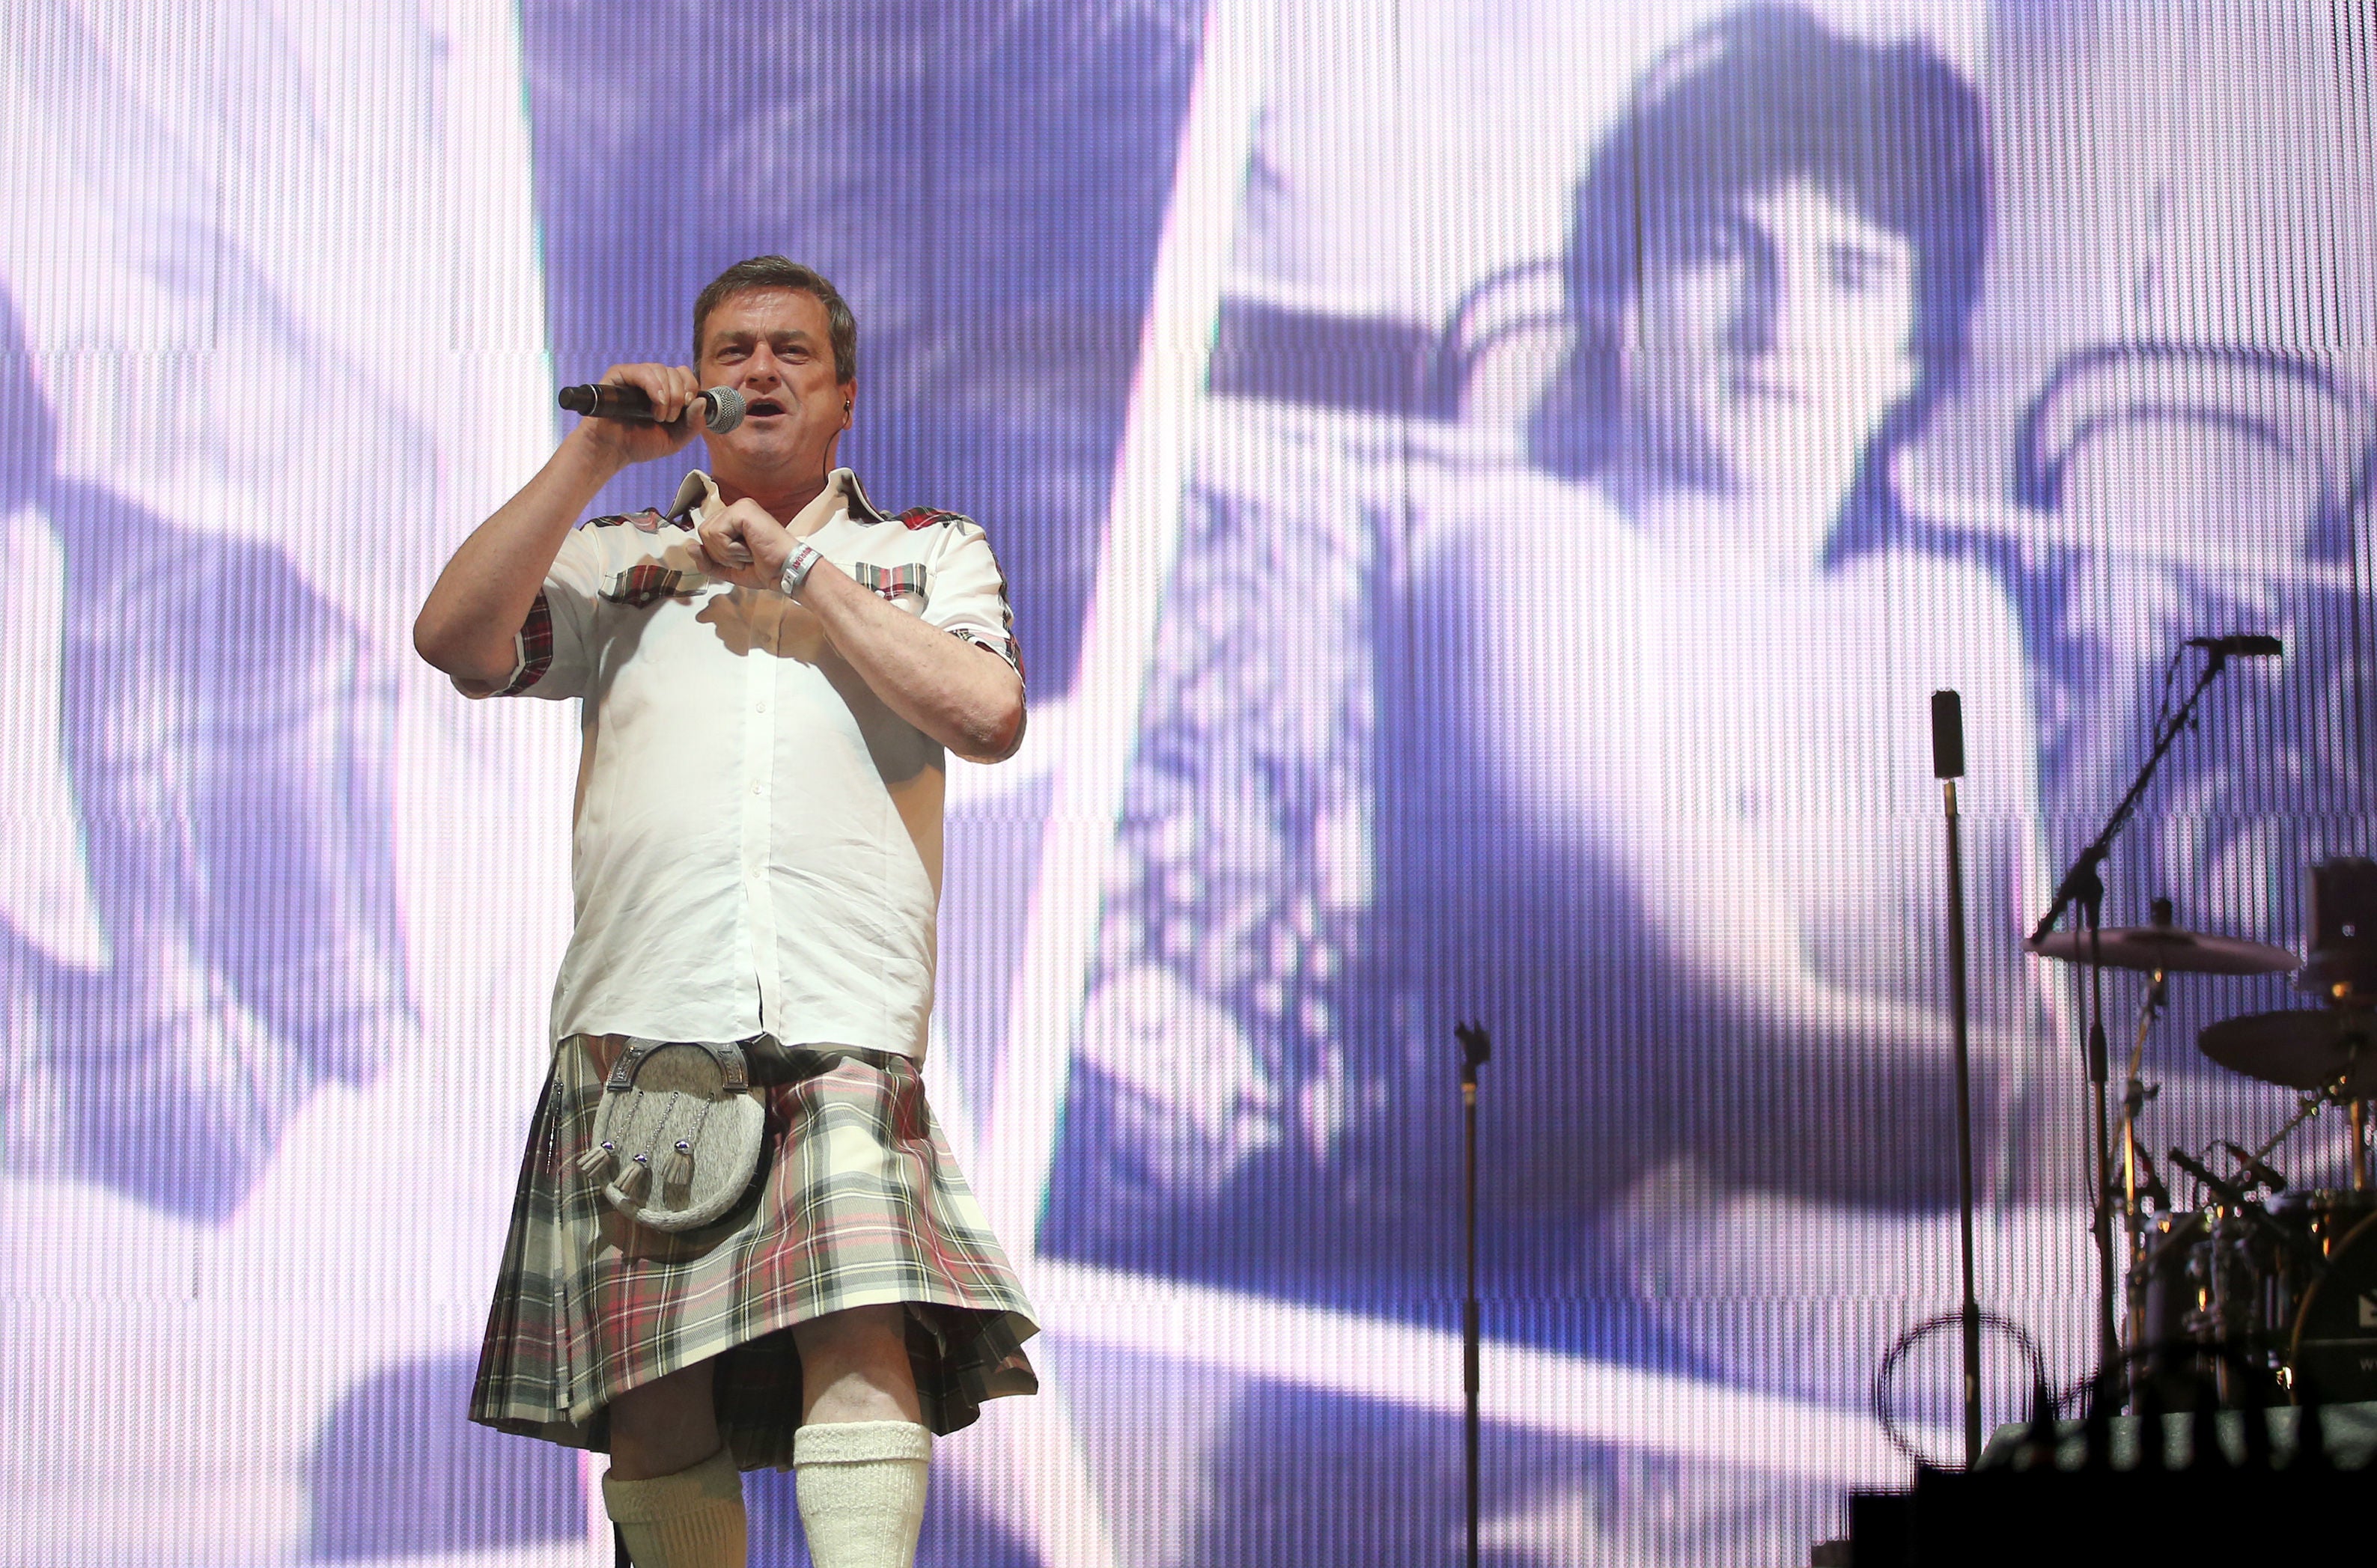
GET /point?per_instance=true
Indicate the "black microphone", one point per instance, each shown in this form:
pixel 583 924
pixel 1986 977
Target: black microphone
pixel 2244 645
pixel 1947 735
pixel 2227 1192
pixel 609 400
pixel 2258 1169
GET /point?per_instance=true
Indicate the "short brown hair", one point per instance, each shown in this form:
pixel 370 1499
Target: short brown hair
pixel 777 272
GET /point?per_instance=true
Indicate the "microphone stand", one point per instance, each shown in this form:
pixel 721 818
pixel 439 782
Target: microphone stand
pixel 2083 885
pixel 1948 763
pixel 1475 1049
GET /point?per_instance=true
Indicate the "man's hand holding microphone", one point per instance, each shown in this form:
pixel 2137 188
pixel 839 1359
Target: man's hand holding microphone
pixel 637 412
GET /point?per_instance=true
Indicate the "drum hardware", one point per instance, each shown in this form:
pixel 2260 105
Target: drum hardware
pixel 2254 1166
pixel 2165 948
pixel 2259 1298
pixel 2341 961
pixel 2327 1050
pixel 2331 1348
pixel 2138 1178
pixel 2236 1196
pixel 2159 949
pixel 2198 1292
pixel 2217 1290
pixel 2266 1290
pixel 2298 1048
pixel 2083 885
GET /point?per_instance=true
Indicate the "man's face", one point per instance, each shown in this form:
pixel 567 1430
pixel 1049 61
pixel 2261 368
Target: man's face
pixel 1772 337
pixel 775 346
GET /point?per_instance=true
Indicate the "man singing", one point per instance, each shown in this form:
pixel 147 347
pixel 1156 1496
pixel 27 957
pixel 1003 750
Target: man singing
pixel 771 673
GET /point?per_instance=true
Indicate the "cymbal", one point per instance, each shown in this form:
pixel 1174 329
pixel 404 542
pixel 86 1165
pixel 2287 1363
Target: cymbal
pixel 2301 1048
pixel 2172 949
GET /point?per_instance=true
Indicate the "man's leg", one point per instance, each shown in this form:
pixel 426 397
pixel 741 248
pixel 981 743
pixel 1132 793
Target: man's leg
pixel 673 1488
pixel 863 1450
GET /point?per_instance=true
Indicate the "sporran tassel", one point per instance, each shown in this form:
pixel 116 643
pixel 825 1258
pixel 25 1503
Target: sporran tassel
pixel 637 1177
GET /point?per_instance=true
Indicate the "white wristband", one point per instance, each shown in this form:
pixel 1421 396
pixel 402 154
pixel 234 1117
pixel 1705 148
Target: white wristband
pixel 796 569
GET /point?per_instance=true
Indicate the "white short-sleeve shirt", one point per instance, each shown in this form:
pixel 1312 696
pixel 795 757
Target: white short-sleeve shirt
pixel 757 836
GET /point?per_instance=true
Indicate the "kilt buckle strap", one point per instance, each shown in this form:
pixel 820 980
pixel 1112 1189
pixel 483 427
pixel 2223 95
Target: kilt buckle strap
pixel 677 1136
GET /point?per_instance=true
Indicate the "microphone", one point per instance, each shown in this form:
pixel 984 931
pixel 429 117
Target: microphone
pixel 1947 735
pixel 2227 1192
pixel 2259 1170
pixel 2245 644
pixel 609 400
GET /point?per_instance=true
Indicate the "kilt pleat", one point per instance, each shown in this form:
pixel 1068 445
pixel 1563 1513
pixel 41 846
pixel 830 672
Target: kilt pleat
pixel 857 1202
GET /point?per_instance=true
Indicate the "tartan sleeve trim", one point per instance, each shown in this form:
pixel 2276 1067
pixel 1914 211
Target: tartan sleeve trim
pixel 534 641
pixel 1004 648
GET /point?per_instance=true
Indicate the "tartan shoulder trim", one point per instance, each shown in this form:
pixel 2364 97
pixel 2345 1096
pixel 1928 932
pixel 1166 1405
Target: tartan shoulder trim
pixel 535 642
pixel 864 512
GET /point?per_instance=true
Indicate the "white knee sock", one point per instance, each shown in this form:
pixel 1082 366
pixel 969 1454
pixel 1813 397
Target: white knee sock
pixel 692 1519
pixel 862 1491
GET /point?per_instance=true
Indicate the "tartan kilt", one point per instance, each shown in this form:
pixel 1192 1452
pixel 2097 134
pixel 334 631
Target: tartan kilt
pixel 857 1202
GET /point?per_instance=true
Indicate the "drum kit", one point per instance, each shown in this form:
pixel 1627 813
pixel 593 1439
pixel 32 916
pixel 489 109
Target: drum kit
pixel 2263 1290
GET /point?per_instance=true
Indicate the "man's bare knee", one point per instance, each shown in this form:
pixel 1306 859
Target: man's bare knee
pixel 854 1367
pixel 666 1425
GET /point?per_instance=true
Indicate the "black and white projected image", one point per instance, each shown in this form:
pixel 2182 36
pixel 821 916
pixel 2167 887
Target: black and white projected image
pixel 1563 579
pixel 204 922
pixel 232 1080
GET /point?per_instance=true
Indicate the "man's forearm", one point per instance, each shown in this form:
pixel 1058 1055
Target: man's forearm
pixel 965 697
pixel 466 625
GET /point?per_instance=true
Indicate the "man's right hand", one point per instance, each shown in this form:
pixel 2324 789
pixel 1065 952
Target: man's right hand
pixel 466 626
pixel 623 442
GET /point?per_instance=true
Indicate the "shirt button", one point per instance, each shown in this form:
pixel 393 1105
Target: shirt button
pixel 756 789
pixel 758 707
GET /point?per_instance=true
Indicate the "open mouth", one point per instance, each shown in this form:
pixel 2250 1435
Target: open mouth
pixel 762 408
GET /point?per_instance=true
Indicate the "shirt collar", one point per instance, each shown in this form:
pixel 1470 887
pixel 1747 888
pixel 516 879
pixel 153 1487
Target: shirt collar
pixel 697 496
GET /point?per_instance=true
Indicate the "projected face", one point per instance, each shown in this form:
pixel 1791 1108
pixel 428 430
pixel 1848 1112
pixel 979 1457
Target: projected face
pixel 775 346
pixel 1771 336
